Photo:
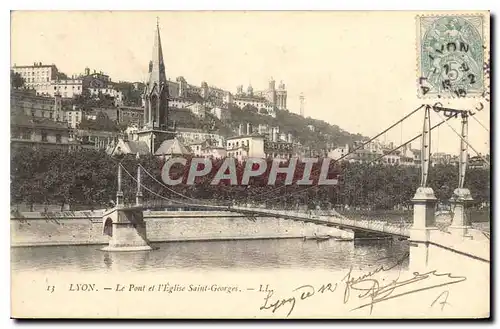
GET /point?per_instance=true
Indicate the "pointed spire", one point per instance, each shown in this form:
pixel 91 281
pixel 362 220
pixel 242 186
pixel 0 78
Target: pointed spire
pixel 156 66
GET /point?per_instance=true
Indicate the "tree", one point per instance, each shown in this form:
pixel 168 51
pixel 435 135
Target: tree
pixel 16 80
pixel 101 123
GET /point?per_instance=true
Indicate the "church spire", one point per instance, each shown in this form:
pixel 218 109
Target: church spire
pixel 157 66
pixel 156 93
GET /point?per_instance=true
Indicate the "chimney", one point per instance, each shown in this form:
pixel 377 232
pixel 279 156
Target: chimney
pixel 240 129
pixel 290 137
pixel 249 128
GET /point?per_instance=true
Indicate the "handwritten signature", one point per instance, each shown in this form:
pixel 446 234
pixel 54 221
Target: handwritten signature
pixel 373 290
pixel 367 287
pixel 306 291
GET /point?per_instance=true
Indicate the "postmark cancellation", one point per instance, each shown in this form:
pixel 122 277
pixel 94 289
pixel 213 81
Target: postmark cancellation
pixel 451 55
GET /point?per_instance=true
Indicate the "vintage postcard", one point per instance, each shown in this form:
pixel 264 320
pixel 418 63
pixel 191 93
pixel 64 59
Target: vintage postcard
pixel 250 165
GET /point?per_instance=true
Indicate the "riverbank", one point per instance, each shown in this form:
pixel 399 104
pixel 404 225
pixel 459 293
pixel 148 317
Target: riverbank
pixel 86 228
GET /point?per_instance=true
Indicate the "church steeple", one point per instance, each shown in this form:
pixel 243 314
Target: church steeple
pixel 156 93
pixel 157 66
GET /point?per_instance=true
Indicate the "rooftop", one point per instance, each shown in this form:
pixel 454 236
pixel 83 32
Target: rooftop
pixel 246 136
pixel 250 98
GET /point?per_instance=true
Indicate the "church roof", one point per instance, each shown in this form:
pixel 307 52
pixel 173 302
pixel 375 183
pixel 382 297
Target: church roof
pixel 172 147
pixel 129 147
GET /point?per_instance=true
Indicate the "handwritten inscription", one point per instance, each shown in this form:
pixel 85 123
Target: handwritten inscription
pixel 368 289
pixel 442 299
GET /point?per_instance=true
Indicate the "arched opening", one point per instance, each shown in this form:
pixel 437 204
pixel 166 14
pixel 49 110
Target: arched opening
pixel 108 227
pixel 154 109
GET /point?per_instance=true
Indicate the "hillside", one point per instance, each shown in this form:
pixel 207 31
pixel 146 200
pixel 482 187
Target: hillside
pixel 324 135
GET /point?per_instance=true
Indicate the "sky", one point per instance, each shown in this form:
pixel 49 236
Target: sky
pixel 357 70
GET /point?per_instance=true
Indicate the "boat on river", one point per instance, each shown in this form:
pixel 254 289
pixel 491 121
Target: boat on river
pixel 317 237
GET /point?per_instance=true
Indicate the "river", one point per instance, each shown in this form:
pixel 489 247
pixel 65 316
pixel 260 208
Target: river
pixel 208 255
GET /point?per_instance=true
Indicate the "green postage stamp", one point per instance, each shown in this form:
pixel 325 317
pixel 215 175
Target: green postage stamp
pixel 451 55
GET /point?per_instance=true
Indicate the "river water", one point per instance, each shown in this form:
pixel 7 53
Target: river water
pixel 211 255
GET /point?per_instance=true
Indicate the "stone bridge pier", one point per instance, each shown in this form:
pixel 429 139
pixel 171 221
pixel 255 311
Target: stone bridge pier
pixel 125 226
pixel 126 230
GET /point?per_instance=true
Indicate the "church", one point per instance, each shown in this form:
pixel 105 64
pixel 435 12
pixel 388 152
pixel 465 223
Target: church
pixel 155 136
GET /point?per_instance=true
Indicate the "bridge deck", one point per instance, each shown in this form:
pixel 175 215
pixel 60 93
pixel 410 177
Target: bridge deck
pixel 331 218
pixel 325 217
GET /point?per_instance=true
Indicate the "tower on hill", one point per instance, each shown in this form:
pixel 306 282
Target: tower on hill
pixel 155 128
pixel 154 136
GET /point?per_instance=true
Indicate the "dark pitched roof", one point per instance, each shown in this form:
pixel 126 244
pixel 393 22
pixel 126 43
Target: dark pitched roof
pixel 172 147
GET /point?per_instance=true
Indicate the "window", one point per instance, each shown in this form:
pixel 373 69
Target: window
pixel 58 138
pixel 26 134
pixel 44 136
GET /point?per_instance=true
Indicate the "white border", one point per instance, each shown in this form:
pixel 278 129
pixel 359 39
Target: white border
pixel 187 5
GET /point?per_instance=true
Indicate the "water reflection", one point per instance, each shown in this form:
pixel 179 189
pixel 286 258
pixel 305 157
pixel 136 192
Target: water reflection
pixel 243 254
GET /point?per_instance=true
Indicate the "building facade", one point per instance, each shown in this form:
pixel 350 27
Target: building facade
pixel 36 106
pixel 207 150
pixel 198 110
pixel 246 146
pixel 191 136
pixel 40 133
pixel 38 75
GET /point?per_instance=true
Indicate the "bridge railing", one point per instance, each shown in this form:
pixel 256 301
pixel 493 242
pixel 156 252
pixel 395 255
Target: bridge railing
pixel 332 216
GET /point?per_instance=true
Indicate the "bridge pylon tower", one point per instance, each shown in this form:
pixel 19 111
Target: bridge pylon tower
pixel 424 202
pixel 424 223
pixel 125 225
pixel 461 198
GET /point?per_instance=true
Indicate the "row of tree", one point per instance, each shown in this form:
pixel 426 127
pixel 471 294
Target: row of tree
pixel 89 177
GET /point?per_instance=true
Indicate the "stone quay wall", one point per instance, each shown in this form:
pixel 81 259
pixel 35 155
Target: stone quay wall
pixel 86 227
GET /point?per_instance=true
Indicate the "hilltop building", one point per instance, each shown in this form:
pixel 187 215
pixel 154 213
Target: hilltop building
pixel 38 75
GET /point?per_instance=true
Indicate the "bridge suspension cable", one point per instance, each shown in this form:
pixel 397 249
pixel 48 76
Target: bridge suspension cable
pixel 356 148
pixel 477 120
pixel 465 141
pixel 163 185
pixel 151 191
pixel 374 160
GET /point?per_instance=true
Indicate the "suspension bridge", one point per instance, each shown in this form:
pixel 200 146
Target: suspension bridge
pixel 127 230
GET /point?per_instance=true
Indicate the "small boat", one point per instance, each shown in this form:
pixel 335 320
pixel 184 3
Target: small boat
pixel 317 237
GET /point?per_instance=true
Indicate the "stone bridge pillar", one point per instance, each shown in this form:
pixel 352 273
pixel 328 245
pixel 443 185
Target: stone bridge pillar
pixel 461 223
pixel 424 222
pixel 126 230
